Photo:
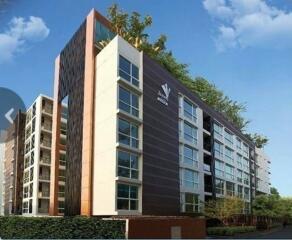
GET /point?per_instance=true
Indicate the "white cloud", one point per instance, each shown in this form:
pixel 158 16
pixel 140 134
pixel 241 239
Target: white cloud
pixel 20 34
pixel 250 23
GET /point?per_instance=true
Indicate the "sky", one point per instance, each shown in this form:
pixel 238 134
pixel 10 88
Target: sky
pixel 244 47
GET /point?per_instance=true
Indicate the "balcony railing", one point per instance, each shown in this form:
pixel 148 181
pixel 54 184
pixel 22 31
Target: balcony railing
pixel 48 109
pixel 45 177
pixel 43 210
pixel 46 143
pixel 44 194
pixel 46 160
pixel 207 168
pixel 47 126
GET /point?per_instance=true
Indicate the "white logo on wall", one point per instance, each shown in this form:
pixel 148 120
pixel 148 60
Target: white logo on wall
pixel 163 97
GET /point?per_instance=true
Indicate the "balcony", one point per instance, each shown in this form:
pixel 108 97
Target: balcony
pixel 46 142
pixel 45 177
pixel 44 194
pixel 47 126
pixel 207 168
pixel 208 188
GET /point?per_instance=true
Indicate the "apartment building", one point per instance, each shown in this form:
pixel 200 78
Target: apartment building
pixel 139 142
pixel 263 172
pixel 13 166
pixel 37 158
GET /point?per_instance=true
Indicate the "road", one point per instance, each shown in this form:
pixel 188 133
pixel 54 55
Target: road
pixel 280 233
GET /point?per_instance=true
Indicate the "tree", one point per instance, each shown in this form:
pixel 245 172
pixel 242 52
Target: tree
pixel 274 191
pixel 272 205
pixel 133 29
pixel 259 140
pixel 224 208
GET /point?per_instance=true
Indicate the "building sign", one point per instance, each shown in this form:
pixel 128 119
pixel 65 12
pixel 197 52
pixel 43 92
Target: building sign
pixel 164 95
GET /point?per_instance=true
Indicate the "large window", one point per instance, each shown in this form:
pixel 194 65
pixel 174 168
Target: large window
pixel 240 191
pixel 229 172
pixel 191 203
pixel 190 156
pixel 219 168
pixel 229 155
pixel 230 188
pixel 128 133
pixel 127 165
pixel 128 101
pixel 238 144
pixel 239 161
pixel 25 192
pixel 245 164
pixel 190 111
pixel 246 178
pixel 218 150
pixel 127 197
pixel 219 186
pixel 128 71
pixel 228 138
pixel 190 179
pixel 218 131
pixel 245 150
pixel 246 193
pixel 239 175
pixel 190 133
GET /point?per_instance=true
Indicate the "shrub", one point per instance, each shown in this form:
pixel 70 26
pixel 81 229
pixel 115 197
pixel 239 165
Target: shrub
pixel 230 231
pixel 13 227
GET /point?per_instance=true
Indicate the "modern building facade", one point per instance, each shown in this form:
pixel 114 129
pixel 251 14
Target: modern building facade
pixel 37 158
pixel 138 141
pixel 263 172
pixel 13 166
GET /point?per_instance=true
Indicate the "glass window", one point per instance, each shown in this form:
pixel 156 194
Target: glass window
pixel 239 175
pixel 219 186
pixel 219 168
pixel 246 178
pixel 190 156
pixel 190 179
pixel 127 197
pixel 190 111
pixel 218 150
pixel 25 207
pixel 238 144
pixel 245 150
pixel 25 192
pixel 229 172
pixel 218 131
pixel 239 161
pixel 230 188
pixel 245 164
pixel 128 71
pixel 190 133
pixel 127 165
pixel 191 203
pixel 128 133
pixel 240 191
pixel 229 155
pixel 128 102
pixel 228 138
pixel 246 193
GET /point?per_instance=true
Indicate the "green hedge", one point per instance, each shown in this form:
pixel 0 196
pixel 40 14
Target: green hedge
pixel 229 231
pixel 13 227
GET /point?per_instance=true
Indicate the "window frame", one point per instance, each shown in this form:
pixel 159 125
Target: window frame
pixel 132 139
pixel 132 108
pixel 129 168
pixel 129 198
pixel 133 80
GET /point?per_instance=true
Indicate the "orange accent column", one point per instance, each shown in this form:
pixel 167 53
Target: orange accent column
pixel 88 118
pixel 55 152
